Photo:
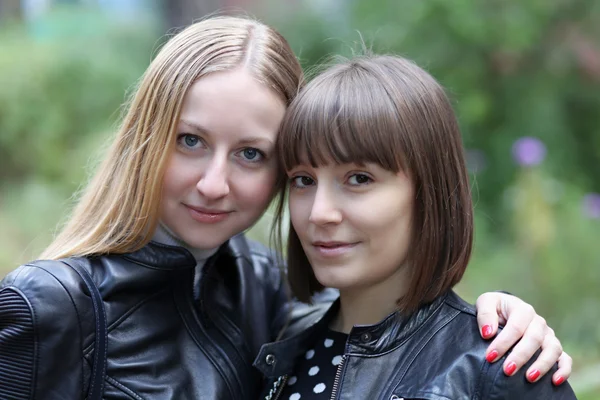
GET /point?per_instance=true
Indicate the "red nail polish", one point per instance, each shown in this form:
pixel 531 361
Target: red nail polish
pixel 510 368
pixel 491 356
pixel 486 331
pixel 533 375
pixel 559 380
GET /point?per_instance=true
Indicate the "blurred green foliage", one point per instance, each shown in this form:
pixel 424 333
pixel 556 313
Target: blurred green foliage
pixel 512 68
pixel 59 89
pixel 63 80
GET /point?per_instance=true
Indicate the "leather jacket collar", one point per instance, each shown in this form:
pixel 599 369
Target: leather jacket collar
pixel 278 358
pixel 165 257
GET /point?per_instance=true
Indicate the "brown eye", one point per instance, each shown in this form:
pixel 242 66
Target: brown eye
pixel 301 181
pixel 359 179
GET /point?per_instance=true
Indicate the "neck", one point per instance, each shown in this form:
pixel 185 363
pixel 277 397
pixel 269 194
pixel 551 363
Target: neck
pixel 369 305
pixel 165 236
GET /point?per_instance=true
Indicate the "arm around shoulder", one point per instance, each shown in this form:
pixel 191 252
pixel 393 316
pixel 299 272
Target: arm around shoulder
pixel 504 387
pixel 40 335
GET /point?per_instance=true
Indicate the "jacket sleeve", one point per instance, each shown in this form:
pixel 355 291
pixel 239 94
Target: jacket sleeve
pixel 40 337
pixel 503 387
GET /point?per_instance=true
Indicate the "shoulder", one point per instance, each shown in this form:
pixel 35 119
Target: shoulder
pixel 45 278
pixel 446 332
pixel 498 386
pixel 41 323
pixel 46 288
pixel 492 383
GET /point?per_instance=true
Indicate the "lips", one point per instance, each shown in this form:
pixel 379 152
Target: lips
pixel 207 210
pixel 331 244
pixel 207 215
pixel 333 248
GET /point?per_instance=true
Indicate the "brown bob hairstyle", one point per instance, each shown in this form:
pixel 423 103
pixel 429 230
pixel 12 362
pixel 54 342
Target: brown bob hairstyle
pixel 387 110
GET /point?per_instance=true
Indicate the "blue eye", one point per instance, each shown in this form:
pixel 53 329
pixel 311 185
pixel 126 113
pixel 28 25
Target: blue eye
pixel 189 141
pixel 251 154
pixel 301 181
pixel 359 179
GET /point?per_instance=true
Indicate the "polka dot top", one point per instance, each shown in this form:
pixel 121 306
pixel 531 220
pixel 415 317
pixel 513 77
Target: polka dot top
pixel 315 370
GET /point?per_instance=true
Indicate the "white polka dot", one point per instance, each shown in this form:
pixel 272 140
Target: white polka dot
pixel 313 371
pixel 292 380
pixel 295 396
pixel 310 354
pixel 328 343
pixel 336 360
pixel 319 388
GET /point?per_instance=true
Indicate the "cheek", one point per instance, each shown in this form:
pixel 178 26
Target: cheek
pixel 389 229
pixel 258 188
pixel 299 207
pixel 397 241
pixel 169 186
pixel 295 218
pixel 176 179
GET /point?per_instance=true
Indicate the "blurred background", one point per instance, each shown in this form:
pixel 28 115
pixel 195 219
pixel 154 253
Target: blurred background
pixel 523 75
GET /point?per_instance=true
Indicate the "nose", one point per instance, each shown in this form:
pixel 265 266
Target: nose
pixel 325 209
pixel 214 182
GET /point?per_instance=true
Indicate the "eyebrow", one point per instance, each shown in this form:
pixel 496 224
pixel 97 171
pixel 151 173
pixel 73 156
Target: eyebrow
pixel 195 126
pixel 245 141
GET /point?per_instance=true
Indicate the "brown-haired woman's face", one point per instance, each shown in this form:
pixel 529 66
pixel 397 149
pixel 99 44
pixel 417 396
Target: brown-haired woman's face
pixel 354 223
pixel 221 175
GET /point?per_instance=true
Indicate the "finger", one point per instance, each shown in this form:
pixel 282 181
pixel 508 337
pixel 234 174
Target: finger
pixel 551 351
pixel 518 323
pixel 523 351
pixel 487 314
pixel 565 363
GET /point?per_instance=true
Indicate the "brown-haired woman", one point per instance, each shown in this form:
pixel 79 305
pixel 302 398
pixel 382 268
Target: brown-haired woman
pixel 380 208
pixel 150 291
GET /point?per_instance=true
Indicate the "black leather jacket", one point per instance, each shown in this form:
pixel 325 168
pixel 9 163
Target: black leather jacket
pixel 161 345
pixel 434 354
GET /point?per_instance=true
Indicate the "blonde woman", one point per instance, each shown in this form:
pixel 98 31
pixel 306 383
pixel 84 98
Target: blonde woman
pixel 151 290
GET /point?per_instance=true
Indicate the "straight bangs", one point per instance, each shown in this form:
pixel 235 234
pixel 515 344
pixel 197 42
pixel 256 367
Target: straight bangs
pixel 345 115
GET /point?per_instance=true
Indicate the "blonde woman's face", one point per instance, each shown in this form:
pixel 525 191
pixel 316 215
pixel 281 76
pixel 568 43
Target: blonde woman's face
pixel 221 175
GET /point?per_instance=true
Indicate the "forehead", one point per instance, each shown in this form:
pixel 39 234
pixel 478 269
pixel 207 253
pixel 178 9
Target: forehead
pixel 233 101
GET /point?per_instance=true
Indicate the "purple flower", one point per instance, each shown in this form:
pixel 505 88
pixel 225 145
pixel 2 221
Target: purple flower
pixel 591 205
pixel 528 151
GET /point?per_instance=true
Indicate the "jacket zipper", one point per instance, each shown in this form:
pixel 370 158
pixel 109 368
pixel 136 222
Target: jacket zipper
pixel 244 352
pixel 199 340
pixel 205 316
pixel 277 388
pixel 338 376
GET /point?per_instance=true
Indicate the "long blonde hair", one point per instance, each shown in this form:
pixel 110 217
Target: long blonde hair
pixel 118 210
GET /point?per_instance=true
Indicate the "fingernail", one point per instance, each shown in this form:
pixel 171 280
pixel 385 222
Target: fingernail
pixel 492 355
pixel 486 331
pixel 533 375
pixel 510 368
pixel 559 380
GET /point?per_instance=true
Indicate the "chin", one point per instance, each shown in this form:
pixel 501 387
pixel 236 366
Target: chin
pixel 334 280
